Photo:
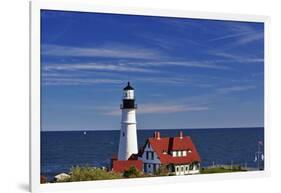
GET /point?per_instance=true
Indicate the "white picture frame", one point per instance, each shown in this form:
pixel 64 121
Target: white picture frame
pixel 86 6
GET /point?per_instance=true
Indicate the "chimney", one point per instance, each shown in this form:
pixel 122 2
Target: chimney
pixel 157 135
pixel 181 134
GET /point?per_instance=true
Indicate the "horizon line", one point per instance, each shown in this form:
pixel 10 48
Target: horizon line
pixel 157 129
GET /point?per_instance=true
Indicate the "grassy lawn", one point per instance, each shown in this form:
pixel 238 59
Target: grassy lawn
pixel 90 173
pixel 220 170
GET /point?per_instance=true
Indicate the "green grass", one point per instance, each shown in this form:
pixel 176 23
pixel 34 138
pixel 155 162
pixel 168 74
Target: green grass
pixel 220 170
pixel 86 173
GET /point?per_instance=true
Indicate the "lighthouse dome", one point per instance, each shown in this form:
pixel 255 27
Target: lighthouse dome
pixel 128 87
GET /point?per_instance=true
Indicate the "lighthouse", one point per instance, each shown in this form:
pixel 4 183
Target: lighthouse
pixel 128 144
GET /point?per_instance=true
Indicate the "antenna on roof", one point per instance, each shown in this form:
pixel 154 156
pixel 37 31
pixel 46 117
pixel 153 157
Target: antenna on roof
pixel 128 78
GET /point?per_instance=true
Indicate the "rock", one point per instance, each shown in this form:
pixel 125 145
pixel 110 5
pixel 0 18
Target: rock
pixel 61 177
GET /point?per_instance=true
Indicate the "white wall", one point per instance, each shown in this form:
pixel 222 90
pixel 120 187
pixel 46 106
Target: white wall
pixel 128 143
pixel 14 96
pixel 186 169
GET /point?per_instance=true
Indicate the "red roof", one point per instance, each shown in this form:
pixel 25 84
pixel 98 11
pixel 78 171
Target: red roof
pixel 164 145
pixel 121 165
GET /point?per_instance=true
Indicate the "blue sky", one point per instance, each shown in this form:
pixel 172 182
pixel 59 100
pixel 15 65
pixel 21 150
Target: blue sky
pixel 187 73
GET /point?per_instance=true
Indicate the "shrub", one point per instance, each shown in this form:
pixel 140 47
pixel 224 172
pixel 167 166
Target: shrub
pixel 43 179
pixel 90 173
pixel 132 173
pixel 162 171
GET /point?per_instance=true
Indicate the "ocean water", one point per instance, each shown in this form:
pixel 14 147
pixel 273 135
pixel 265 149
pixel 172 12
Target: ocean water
pixel 60 150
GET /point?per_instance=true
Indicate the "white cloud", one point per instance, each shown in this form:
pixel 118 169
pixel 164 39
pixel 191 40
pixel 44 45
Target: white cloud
pixel 250 38
pixel 78 81
pixel 168 42
pixel 164 80
pixel 230 36
pixel 161 109
pixel 241 34
pixel 108 51
pixel 189 64
pixel 95 67
pixel 168 108
pixel 226 90
pixel 236 58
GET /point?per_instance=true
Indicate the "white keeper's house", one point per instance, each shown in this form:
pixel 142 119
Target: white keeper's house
pixel 178 154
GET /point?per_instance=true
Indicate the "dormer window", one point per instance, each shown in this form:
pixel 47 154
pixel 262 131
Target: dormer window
pixel 179 153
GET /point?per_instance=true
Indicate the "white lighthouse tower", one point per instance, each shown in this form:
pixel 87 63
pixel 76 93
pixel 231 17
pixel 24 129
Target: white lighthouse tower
pixel 128 144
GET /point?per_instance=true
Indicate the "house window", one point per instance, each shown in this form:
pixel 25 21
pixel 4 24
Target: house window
pixel 191 167
pixel 173 168
pixel 148 165
pixel 182 168
pixel 184 153
pixel 177 169
pixel 152 155
pixel 179 153
pixel 123 134
pixel 147 155
pixel 145 167
pixel 148 145
pixel 186 168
